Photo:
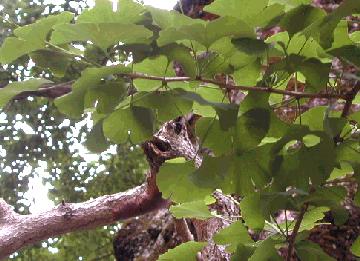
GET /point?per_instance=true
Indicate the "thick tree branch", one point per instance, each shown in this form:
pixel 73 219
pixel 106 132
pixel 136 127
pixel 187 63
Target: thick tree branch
pixel 174 139
pixel 18 231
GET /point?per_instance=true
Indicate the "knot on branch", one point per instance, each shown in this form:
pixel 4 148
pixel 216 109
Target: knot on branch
pixel 176 138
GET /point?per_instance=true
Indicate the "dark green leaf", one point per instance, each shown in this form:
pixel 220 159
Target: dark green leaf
pixel 251 128
pixel 241 9
pixel 175 183
pixel 233 235
pixel 102 34
pixel 72 104
pixel 95 140
pixel 136 123
pixel 194 209
pixel 348 53
pixel 31 37
pixel 355 248
pixel 266 251
pixel 15 88
pixel 300 17
pixel 168 104
pixel 158 66
pixel 250 206
pixel 186 251
pixel 209 131
pixel 308 250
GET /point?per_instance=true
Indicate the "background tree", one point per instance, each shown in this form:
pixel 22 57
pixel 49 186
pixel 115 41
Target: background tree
pixel 36 137
pixel 274 156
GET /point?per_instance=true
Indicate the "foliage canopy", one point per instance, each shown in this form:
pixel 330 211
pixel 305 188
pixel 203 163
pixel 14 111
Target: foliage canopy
pixel 120 66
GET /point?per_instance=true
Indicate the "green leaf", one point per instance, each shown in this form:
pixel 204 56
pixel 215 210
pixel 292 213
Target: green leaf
pixel 255 99
pixel 348 53
pixel 241 9
pixel 311 217
pixel 252 170
pixel 209 130
pixel 333 125
pixel 213 174
pixel 323 29
pixel 194 209
pixel 355 117
pixel 316 74
pixel 72 104
pixel 266 251
pixel 233 235
pixel 242 253
pixel 251 128
pixel 186 251
pixel 327 196
pixel 314 118
pixel 290 4
pixel 300 17
pixel 209 95
pixel 158 66
pixel 357 198
pixel 268 16
pixel 340 214
pixel 181 54
pixel 206 34
pixel 175 183
pixel 341 35
pixel 250 46
pixel 128 12
pixel 311 140
pixel 355 248
pixel 212 64
pixel 54 60
pixel 250 206
pixel 101 34
pixel 249 74
pixel 227 112
pixel 15 88
pixel 338 172
pixel 31 37
pixel 95 140
pixel 168 104
pixel 355 37
pixel 349 152
pixel 310 251
pixel 306 47
pixel 170 19
pixel 136 123
pixel 105 96
pixel 320 160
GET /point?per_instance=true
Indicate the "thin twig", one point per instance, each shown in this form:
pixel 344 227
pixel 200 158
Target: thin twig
pixel 238 87
pixel 292 237
pixel 347 107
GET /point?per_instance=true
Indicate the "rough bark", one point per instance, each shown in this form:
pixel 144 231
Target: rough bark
pixel 17 231
pixel 148 236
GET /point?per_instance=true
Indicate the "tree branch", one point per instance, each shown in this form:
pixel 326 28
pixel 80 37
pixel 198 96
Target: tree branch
pixel 18 231
pixel 172 140
pixel 292 237
pixel 347 107
pixel 58 90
